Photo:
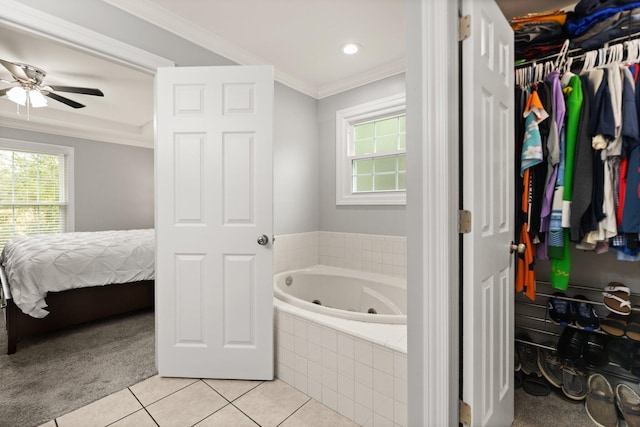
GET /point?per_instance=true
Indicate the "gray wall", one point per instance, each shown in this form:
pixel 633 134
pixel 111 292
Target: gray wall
pixel 295 134
pixel 388 220
pixel 295 162
pixel 113 182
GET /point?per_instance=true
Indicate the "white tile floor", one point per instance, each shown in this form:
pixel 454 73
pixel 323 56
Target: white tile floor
pixel 204 403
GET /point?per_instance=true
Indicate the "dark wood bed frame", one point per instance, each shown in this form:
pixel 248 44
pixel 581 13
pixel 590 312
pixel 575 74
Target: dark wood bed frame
pixel 76 306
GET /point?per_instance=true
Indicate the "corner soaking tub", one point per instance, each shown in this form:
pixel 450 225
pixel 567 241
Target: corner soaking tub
pixel 343 293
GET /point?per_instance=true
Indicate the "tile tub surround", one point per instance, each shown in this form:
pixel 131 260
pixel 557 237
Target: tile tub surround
pixel 358 369
pixel 361 252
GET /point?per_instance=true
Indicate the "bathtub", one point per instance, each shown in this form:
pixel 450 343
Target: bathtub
pixel 337 356
pixel 343 293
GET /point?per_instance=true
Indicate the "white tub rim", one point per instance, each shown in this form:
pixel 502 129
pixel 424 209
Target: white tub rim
pixel 392 281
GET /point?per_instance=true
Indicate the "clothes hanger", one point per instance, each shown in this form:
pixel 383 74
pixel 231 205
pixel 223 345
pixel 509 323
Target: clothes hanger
pixel 562 56
pixel 590 58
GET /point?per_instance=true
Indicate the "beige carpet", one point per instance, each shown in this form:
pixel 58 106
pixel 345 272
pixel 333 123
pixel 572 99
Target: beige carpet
pixel 56 373
pixel 551 410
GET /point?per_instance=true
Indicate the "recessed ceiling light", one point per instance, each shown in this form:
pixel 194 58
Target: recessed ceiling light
pixel 351 48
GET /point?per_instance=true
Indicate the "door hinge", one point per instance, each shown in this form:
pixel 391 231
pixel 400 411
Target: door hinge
pixel 465 413
pixel 464 222
pixel 464 28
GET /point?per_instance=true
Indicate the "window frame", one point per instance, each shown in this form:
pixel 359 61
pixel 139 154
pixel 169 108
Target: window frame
pixel 44 148
pixel 346 119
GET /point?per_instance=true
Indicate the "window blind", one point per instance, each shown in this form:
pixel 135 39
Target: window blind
pixel 33 194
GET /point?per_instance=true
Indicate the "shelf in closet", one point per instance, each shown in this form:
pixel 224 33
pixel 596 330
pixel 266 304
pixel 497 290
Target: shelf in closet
pixel 534 320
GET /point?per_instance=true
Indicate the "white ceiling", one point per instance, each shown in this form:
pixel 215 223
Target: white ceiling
pixel 301 38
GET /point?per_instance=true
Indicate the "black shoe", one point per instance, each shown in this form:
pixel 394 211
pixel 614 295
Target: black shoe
pixel 594 352
pixel 619 350
pixel 635 359
pixel 570 344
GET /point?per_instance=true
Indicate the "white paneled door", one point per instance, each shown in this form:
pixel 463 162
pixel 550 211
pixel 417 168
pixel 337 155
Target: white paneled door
pixel 214 222
pixel 487 181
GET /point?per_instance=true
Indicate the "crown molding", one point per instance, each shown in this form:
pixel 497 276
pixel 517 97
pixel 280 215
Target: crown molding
pixel 28 19
pixel 156 15
pixel 379 73
pixel 142 138
pixel 176 24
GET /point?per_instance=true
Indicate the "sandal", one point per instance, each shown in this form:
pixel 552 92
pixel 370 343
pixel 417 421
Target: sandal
pixel 617 287
pixel 560 310
pixel 616 298
pixel 586 316
pixel 614 324
pixel 536 386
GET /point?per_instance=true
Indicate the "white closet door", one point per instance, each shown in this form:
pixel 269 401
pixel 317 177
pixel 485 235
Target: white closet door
pixel 487 180
pixel 213 166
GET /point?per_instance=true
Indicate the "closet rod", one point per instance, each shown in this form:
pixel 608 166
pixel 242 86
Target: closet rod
pixel 530 304
pixel 536 344
pixel 580 287
pixel 576 50
pixel 539 331
pixel 540 319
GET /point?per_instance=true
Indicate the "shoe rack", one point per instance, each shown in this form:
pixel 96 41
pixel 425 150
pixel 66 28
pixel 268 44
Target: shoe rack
pixel 531 317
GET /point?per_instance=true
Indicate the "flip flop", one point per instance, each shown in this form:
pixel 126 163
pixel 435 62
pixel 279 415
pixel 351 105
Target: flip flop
pixel 614 324
pixel 586 315
pixel 536 386
pixel 617 287
pixel 617 301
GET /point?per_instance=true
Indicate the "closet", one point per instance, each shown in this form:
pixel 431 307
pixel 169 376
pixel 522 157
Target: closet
pixel 573 150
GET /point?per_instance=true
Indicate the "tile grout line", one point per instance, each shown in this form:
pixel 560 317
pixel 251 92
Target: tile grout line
pixel 141 405
pixel 144 407
pixel 170 394
pixel 291 414
pixel 243 413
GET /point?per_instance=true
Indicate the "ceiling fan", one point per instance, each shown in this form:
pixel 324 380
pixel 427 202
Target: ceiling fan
pixel 30 91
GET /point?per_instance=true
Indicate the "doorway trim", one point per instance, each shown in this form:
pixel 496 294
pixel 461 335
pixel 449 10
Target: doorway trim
pixel 432 205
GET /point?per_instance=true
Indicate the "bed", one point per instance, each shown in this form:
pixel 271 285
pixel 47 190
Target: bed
pixel 54 281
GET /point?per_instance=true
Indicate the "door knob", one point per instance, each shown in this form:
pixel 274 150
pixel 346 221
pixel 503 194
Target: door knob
pixel 263 240
pixel 517 248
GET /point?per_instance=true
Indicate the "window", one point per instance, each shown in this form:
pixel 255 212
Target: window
pixel 36 189
pixel 371 153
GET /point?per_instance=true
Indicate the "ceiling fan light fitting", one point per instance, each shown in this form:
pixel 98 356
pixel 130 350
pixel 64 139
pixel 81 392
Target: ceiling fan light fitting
pixel 37 99
pixel 18 95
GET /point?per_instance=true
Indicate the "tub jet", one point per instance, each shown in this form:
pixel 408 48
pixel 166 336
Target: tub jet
pixel 316 301
pixel 372 311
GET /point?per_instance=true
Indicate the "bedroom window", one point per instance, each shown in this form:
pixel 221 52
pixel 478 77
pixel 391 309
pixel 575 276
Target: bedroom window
pixel 36 183
pixel 371 153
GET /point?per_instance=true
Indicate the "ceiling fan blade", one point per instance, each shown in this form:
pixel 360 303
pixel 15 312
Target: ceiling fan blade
pixel 69 102
pixel 15 71
pixel 3 92
pixel 74 89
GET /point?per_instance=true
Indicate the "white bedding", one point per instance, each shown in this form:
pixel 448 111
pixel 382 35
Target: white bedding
pixel 35 265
